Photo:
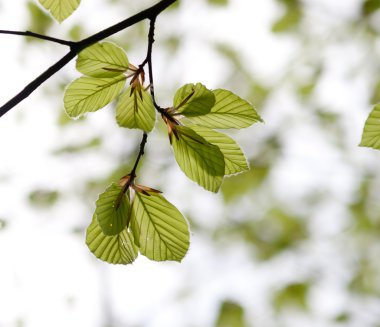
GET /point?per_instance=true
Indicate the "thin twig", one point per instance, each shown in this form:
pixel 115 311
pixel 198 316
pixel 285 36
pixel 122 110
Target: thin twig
pixel 132 174
pixel 39 36
pixel 76 47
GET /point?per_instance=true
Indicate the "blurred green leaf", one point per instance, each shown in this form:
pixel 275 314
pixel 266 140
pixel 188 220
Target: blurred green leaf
pixel 103 59
pixel 39 21
pixel 70 149
pixel 291 18
pixel 159 229
pixel 293 295
pixel 172 43
pixel 200 160
pixel 366 280
pixel 234 159
pixel 3 224
pixel 278 231
pixel 241 184
pixel 76 32
pixel 135 109
pixel 288 21
pixel 60 9
pixel 218 2
pixel 112 212
pixel 88 94
pixel 230 111
pixel 370 6
pixel 193 100
pixel 275 232
pixel 259 93
pixel 43 198
pixel 343 317
pixel 117 249
pixel 231 314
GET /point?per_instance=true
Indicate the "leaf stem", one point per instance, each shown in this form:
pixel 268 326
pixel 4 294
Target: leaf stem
pixel 132 174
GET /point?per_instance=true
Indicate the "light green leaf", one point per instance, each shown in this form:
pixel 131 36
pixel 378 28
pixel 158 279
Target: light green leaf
pixel 200 160
pixel 371 132
pixel 112 218
pixel 230 111
pixel 193 100
pixel 159 229
pixel 88 94
pixel 234 159
pixel 136 110
pixel 60 9
pixel 102 60
pixel 117 249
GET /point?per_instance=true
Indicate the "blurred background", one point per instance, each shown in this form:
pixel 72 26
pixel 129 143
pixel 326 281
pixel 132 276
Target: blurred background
pixel 294 242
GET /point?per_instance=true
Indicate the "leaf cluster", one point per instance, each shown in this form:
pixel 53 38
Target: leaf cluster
pixel 122 224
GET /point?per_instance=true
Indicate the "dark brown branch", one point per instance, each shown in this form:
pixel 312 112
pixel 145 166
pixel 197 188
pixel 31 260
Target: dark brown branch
pixel 132 174
pixel 39 36
pixel 148 60
pixel 76 47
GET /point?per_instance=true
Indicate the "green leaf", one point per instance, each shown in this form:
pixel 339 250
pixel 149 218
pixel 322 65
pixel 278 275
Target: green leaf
pixel 371 132
pixel 234 159
pixel 60 9
pixel 230 111
pixel 88 94
pixel 159 229
pixel 136 110
pixel 112 218
pixel 200 160
pixel 102 60
pixel 193 100
pixel 117 249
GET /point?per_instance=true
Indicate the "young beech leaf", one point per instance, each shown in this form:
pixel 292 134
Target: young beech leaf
pixel 234 159
pixel 102 60
pixel 229 111
pixel 60 9
pixel 88 94
pixel 200 160
pixel 159 229
pixel 135 109
pixel 371 132
pixel 116 249
pixel 112 218
pixel 193 100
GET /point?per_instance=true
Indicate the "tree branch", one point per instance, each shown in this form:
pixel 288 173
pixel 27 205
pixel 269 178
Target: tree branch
pixel 39 36
pixel 132 174
pixel 76 47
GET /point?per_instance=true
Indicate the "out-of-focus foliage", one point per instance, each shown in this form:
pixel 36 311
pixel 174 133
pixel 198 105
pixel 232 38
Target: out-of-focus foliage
pixel 293 295
pixel 231 314
pixel 370 6
pixel 43 198
pixel 291 17
pixel 218 2
pixel 3 224
pixel 39 21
